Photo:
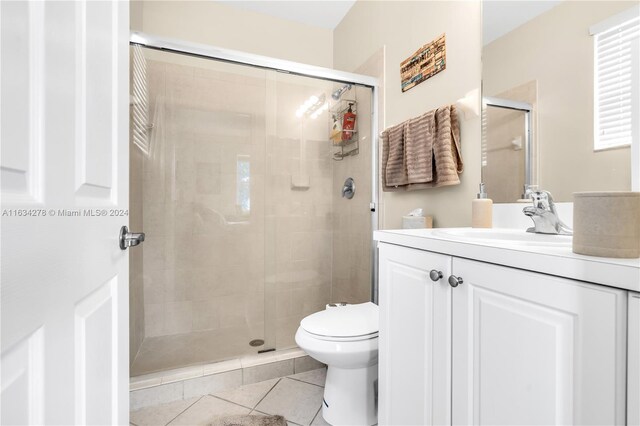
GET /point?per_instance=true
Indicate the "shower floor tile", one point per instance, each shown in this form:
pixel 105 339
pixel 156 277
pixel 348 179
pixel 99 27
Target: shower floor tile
pixel 298 398
pixel 162 353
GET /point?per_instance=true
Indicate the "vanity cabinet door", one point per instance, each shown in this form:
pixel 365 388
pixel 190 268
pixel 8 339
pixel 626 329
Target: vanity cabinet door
pixel 415 338
pixel 532 349
pixel 633 361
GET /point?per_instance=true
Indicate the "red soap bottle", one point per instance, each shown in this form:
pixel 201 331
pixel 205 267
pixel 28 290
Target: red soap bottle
pixel 348 124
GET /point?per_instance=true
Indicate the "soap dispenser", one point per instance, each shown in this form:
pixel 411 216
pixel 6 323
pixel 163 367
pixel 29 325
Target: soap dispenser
pixel 482 210
pixel 348 124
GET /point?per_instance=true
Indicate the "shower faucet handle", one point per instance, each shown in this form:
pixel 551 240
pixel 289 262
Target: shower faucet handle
pixel 349 188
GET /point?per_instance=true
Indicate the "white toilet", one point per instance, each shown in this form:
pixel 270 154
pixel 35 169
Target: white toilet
pixel 346 339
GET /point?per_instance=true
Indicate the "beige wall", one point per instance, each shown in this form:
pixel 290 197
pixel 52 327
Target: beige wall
pixel 217 24
pixel 556 50
pixel 402 27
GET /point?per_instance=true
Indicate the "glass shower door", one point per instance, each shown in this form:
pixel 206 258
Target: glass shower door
pixel 317 243
pixel 237 184
pixel 503 153
pixel 197 190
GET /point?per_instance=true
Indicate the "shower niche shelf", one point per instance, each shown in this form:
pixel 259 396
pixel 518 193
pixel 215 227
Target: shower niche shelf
pixel 344 142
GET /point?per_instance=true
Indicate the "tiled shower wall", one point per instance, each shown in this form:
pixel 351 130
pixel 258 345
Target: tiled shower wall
pixel 219 272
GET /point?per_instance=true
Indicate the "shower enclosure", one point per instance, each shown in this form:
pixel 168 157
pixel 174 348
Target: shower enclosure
pixel 507 146
pixel 237 185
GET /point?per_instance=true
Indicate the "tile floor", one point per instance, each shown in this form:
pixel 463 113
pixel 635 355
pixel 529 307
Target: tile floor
pixel 297 397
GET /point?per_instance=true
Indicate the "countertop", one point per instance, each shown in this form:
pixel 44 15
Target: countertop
pixel 547 254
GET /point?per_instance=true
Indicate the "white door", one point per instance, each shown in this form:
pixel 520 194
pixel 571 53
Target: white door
pixel 415 338
pixel 535 349
pixel 64 289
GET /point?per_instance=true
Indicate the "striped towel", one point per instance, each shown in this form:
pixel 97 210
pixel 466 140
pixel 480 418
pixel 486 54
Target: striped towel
pixel 423 152
pixel 394 167
pixel 419 135
pixel 446 148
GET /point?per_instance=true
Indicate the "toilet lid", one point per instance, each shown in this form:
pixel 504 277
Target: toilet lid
pixel 343 321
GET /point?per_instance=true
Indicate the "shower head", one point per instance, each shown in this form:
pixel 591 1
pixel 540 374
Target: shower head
pixel 338 93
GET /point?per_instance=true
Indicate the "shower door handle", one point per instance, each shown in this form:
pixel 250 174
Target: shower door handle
pixel 129 239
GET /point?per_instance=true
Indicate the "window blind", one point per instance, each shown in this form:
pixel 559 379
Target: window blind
pixel 140 101
pixel 615 80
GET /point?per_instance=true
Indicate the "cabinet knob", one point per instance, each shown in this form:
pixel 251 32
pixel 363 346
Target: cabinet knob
pixel 455 281
pixel 435 275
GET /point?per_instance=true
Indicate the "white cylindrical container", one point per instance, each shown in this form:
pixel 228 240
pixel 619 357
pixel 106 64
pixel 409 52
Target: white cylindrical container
pixel 606 224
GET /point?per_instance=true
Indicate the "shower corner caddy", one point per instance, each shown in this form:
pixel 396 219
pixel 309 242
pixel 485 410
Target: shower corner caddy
pixel 347 147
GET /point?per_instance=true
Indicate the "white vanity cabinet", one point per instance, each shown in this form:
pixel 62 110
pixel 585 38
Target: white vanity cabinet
pixel 415 338
pixel 535 349
pixel 506 346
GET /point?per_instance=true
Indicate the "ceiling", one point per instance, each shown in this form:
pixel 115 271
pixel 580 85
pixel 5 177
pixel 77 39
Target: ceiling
pixel 502 17
pixel 499 17
pixel 324 14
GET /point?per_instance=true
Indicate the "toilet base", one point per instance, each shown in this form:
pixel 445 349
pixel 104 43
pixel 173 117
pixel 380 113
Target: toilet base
pixel 350 396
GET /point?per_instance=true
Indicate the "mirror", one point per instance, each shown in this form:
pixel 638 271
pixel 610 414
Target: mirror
pixel 538 74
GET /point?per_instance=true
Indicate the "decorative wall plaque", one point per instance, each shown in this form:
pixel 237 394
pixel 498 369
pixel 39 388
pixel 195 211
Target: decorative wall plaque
pixel 427 61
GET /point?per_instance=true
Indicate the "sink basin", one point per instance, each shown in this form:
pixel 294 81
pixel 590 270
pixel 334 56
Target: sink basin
pixel 503 236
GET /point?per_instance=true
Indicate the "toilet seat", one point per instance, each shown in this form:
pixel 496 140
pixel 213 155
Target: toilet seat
pixel 343 324
pixel 342 339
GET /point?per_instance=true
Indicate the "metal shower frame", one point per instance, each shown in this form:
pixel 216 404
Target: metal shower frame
pixel 296 68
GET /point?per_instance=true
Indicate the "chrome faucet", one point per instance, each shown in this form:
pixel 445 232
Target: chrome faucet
pixel 544 214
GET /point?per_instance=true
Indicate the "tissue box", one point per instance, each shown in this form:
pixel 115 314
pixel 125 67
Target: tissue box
pixel 606 224
pixel 417 222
